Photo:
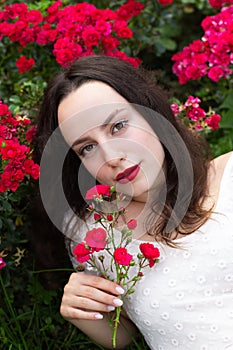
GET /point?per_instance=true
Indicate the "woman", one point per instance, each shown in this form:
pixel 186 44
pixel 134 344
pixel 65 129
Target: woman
pixel 107 119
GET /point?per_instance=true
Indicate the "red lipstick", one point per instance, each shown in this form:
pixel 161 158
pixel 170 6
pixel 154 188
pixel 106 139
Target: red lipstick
pixel 128 174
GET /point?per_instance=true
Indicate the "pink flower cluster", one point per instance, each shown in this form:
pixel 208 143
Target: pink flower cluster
pixel 16 161
pixel 192 115
pixel 75 30
pixel 212 55
pixel 2 263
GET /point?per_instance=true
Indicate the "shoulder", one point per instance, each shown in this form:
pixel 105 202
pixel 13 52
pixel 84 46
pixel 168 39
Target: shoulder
pixel 220 162
pixel 216 172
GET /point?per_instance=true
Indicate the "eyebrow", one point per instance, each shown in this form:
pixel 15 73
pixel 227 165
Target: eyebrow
pixel 103 126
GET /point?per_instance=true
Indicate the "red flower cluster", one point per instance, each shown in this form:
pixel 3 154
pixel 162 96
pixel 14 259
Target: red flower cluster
pixel 95 241
pixel 220 3
pixel 165 2
pixel 192 115
pixel 212 55
pixel 15 152
pixel 23 64
pixel 76 30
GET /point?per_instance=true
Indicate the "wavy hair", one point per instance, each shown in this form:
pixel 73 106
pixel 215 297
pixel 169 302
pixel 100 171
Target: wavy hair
pixel 136 86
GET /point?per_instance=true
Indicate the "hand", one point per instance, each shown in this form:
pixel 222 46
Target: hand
pixel 85 296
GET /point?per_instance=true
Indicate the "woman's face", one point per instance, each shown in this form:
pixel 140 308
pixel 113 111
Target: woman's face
pixel 114 142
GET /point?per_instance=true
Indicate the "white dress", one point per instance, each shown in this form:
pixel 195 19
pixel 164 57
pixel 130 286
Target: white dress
pixel 186 301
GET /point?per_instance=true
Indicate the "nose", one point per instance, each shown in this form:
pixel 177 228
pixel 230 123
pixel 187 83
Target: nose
pixel 113 153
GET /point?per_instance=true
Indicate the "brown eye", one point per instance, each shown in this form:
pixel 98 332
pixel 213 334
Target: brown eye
pixel 86 149
pixel 118 126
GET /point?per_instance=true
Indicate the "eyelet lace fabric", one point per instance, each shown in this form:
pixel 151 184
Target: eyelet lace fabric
pixel 186 300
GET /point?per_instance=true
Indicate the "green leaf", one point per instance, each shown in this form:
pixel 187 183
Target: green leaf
pixel 227 119
pixel 228 102
pixel 167 43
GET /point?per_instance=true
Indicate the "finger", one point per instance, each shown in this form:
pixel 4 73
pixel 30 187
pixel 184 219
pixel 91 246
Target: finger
pixel 77 295
pixel 73 313
pixel 87 304
pixel 98 282
pixel 99 295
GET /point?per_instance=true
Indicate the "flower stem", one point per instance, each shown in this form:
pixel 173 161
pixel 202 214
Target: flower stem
pixel 115 326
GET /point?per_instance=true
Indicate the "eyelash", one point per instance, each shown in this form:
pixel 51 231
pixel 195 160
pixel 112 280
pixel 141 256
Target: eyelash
pixel 124 122
pixel 82 153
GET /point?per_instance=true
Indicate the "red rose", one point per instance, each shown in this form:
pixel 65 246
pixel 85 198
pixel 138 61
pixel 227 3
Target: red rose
pixel 109 217
pixel 91 37
pixel 97 216
pixel 23 64
pixel 3 109
pixel 149 251
pixel 122 257
pixel 165 2
pixel 98 190
pixel 31 133
pixel 132 224
pixel 35 171
pixel 81 252
pixel 213 121
pixel 96 238
pixel 151 262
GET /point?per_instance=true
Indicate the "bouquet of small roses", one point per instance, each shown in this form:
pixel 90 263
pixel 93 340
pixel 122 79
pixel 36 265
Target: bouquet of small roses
pixel 113 247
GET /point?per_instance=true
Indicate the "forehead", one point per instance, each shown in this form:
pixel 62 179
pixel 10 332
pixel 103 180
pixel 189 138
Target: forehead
pixel 88 95
pixel 88 107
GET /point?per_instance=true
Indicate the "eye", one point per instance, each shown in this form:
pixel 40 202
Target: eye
pixel 86 149
pixel 118 126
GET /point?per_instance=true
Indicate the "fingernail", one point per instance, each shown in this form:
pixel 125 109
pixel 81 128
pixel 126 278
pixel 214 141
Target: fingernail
pixel 120 290
pixel 111 308
pixel 99 316
pixel 118 302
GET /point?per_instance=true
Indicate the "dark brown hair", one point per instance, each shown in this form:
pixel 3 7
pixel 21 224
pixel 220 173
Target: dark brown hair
pixel 137 88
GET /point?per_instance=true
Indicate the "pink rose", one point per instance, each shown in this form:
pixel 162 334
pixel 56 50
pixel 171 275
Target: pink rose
pixel 2 263
pixel 132 224
pixel 96 238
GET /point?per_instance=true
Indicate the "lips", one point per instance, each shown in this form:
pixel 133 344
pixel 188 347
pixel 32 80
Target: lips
pixel 128 174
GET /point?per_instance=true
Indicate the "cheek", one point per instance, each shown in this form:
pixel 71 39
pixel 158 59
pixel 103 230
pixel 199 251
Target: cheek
pixel 149 148
pixel 95 167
